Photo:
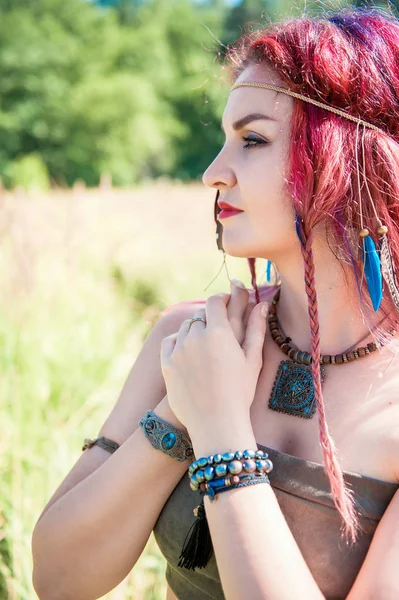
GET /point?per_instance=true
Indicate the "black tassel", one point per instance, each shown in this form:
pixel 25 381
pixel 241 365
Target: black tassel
pixel 197 548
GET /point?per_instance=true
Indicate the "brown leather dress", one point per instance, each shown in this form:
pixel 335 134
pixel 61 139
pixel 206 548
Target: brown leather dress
pixel 302 490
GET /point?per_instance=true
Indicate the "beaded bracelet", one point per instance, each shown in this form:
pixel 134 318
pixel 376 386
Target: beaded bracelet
pixel 228 463
pixel 217 459
pixel 197 546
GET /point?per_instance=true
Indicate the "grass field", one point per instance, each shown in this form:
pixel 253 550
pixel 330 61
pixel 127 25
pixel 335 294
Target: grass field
pixel 84 275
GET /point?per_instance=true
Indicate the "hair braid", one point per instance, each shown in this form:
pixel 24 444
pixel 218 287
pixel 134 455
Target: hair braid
pixel 342 496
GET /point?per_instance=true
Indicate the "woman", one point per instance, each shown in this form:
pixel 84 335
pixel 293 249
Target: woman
pixel 317 187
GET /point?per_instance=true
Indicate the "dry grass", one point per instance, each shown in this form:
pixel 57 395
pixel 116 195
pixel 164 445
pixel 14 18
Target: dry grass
pixel 84 275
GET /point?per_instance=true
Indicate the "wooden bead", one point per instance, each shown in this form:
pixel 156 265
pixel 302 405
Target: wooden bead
pixel 339 359
pixel 361 351
pixel 300 357
pixel 372 347
pixel 350 356
pixel 307 359
pixel 364 233
pixel 326 360
pixel 382 230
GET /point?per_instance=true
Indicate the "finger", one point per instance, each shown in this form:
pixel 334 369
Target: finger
pixel 185 328
pixel 255 335
pixel 216 310
pixel 250 306
pixel 197 327
pixel 167 347
pixel 236 308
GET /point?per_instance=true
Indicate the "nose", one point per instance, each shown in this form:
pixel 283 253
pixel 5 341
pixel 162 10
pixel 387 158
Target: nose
pixel 219 174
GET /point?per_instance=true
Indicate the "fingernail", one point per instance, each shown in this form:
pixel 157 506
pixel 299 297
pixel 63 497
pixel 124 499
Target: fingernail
pixel 265 309
pixel 238 283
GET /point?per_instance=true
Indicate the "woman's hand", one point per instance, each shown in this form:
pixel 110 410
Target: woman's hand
pixel 239 308
pixel 211 370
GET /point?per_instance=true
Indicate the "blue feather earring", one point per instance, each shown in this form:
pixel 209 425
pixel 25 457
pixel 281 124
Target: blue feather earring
pixel 372 268
pixel 268 270
pixel 371 256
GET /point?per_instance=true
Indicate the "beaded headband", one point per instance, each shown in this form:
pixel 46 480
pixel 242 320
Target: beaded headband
pixel 377 261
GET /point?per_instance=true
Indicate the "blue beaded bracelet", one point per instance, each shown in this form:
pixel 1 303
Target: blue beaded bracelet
pixel 228 463
pixel 197 547
pixel 217 459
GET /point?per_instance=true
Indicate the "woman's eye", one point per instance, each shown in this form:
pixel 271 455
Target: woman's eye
pixel 252 142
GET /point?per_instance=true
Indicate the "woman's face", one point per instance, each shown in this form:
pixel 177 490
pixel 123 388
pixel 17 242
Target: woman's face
pixel 252 178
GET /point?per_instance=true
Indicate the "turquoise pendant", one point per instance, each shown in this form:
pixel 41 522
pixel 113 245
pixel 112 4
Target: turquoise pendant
pixel 293 390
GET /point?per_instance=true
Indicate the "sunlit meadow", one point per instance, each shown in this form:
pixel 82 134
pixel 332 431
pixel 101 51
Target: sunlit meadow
pixel 84 275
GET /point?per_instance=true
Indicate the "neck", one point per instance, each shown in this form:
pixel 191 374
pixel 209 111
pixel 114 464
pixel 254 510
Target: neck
pixel 340 318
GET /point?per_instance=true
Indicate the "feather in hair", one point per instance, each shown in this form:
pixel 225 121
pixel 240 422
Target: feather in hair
pixel 372 269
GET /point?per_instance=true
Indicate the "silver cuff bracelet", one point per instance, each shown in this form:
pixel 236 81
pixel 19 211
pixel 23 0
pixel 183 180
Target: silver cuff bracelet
pixel 165 437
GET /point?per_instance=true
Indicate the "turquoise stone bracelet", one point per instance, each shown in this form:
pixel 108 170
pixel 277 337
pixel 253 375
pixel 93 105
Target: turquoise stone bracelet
pixel 163 436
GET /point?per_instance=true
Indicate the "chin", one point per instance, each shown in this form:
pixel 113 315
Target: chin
pixel 239 250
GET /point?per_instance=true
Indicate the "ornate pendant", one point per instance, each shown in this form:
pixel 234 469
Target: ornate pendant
pixel 293 390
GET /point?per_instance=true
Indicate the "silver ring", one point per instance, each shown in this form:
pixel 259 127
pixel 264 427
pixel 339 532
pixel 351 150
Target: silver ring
pixel 195 319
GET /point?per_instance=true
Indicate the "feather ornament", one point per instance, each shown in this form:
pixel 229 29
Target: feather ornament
pixel 388 270
pixel 268 269
pixel 372 269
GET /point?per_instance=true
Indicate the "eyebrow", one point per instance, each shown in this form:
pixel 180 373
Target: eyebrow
pixel 248 119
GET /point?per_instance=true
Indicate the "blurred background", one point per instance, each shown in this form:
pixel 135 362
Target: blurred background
pixel 109 114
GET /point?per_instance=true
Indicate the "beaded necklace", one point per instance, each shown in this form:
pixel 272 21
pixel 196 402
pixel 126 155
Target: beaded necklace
pixel 293 388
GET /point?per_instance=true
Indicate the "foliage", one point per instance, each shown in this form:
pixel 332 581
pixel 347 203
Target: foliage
pixel 89 94
pixel 128 88
pixel 29 172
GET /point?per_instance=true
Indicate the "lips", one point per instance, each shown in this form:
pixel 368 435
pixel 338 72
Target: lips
pixel 224 206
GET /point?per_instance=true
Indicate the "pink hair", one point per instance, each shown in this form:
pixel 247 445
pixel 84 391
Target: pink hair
pixel 322 181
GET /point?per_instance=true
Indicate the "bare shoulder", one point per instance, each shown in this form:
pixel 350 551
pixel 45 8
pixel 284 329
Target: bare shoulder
pixel 172 317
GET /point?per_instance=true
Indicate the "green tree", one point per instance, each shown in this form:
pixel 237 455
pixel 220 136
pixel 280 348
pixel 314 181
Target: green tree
pixel 66 97
pixel 176 53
